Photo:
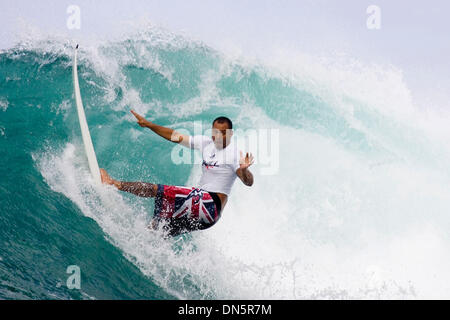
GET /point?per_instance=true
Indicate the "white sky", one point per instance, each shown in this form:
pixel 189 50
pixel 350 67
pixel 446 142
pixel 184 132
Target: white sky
pixel 414 35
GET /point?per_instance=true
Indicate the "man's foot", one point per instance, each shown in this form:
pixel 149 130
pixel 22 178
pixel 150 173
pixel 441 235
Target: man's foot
pixel 105 177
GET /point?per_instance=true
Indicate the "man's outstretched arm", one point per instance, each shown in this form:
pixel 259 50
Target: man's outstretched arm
pixel 166 133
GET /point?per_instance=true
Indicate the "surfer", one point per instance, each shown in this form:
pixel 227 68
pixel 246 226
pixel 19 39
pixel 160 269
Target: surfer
pixel 180 209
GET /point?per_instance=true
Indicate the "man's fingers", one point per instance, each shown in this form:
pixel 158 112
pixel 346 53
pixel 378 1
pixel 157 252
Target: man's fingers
pixel 248 155
pixel 136 114
pixel 248 160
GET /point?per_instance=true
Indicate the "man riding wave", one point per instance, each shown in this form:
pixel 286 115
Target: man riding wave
pixel 180 209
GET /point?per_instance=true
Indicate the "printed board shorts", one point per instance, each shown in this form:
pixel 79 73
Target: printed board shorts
pixel 185 209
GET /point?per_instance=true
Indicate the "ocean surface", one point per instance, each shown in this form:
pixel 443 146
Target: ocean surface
pixel 357 209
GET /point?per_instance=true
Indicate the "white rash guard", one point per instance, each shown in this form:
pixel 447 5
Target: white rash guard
pixel 218 166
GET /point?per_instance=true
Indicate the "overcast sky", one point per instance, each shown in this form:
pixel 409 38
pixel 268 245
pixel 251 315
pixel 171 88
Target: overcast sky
pixel 414 35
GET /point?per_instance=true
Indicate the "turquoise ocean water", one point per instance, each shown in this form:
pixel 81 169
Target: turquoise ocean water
pixel 358 208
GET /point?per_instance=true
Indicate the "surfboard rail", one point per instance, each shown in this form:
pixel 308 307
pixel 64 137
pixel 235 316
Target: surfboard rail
pixel 87 141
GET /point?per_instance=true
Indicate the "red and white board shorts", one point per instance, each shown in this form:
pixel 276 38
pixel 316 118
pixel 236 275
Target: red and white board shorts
pixel 185 209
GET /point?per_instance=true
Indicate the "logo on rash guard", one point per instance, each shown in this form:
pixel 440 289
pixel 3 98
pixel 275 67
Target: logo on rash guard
pixel 210 165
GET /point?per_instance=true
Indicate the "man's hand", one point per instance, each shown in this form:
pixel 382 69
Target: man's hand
pixel 246 161
pixel 141 120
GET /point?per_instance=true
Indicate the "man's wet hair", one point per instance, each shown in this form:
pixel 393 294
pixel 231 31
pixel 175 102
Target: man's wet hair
pixel 224 120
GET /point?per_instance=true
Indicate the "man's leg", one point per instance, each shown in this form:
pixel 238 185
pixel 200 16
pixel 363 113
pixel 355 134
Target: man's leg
pixel 141 189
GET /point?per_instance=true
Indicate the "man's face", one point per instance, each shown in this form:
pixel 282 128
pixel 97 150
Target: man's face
pixel 221 135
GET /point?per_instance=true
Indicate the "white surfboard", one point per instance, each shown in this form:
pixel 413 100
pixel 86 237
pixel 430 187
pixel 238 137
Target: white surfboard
pixel 88 146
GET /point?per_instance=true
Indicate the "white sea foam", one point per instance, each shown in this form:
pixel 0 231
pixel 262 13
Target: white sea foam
pixel 4 104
